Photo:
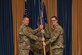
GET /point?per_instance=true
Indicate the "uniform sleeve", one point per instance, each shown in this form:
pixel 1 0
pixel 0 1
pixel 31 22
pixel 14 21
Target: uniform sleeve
pixel 35 31
pixel 47 33
pixel 54 36
pixel 29 34
pixel 20 31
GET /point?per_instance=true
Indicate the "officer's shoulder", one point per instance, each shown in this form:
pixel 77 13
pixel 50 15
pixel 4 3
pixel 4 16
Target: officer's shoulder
pixel 60 27
pixel 30 28
pixel 21 27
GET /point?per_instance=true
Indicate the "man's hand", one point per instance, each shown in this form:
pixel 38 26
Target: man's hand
pixel 41 27
pixel 43 41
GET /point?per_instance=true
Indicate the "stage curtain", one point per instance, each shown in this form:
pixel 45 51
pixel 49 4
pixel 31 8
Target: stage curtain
pixel 77 27
pixel 65 20
pixel 6 28
pixel 17 13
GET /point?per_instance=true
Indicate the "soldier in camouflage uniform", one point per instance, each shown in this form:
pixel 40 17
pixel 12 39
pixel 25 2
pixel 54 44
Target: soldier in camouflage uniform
pixel 56 37
pixel 26 36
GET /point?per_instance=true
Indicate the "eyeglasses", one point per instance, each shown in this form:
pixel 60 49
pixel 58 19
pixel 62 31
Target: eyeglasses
pixel 53 20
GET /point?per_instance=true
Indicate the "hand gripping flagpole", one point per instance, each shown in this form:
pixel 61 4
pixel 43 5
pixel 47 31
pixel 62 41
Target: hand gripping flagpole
pixel 44 44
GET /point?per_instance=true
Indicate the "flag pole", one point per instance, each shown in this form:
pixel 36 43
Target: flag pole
pixel 43 39
pixel 44 44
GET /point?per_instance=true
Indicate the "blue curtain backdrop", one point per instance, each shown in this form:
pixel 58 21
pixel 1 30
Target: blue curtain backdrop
pixel 33 10
pixel 6 28
pixel 65 19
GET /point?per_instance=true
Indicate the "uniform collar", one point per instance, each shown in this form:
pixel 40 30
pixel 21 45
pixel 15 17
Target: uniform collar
pixel 24 25
pixel 55 26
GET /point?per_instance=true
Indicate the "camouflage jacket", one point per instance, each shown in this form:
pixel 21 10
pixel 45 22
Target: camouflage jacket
pixel 38 44
pixel 26 35
pixel 56 37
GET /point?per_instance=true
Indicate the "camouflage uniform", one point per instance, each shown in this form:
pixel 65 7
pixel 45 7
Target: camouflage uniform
pixel 26 36
pixel 38 49
pixel 56 40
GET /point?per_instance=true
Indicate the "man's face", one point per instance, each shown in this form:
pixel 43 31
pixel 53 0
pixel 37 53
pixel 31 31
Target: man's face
pixel 26 21
pixel 54 21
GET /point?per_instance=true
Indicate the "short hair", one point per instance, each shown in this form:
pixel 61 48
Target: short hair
pixel 54 17
pixel 25 16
